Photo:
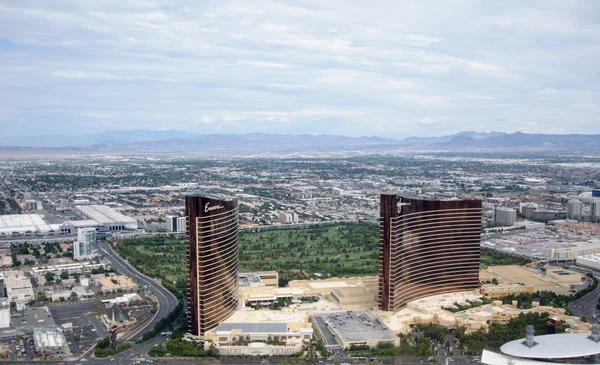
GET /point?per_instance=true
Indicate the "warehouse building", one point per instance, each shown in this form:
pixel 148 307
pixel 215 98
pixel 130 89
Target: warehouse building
pixel 107 218
pixel 18 224
pixel 591 261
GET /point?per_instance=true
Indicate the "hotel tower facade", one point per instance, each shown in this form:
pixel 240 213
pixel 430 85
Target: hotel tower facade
pixel 426 247
pixel 212 261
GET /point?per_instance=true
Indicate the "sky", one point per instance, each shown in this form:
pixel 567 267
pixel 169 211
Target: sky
pixel 357 68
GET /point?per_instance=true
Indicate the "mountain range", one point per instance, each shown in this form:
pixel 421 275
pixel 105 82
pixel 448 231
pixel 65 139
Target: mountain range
pixel 146 142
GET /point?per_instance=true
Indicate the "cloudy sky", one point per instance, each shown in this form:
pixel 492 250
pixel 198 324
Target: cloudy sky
pixel 390 68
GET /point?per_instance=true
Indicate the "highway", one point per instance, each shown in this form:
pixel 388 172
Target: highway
pixel 167 301
pixel 586 306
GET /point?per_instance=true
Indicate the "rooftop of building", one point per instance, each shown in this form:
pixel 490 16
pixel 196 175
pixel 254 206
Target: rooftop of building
pixel 356 326
pixel 22 223
pixel 556 346
pixel 246 280
pixel 104 214
pixel 284 316
pixel 592 257
pixel 254 327
pixel 81 223
pixel 50 337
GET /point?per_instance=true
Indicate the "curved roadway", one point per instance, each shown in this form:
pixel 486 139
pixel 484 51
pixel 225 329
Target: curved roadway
pixel 586 305
pixel 166 299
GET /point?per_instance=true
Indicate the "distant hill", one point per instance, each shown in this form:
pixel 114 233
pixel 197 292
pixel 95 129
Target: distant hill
pixel 524 141
pixel 149 142
pixel 91 139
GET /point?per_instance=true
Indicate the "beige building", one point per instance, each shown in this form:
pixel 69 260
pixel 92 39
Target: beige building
pixel 497 291
pixel 261 349
pixel 560 275
pixel 269 278
pixel 18 287
pixel 556 280
pixel 263 332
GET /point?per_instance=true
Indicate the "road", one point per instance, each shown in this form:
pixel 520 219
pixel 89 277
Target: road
pixel 586 306
pixel 167 301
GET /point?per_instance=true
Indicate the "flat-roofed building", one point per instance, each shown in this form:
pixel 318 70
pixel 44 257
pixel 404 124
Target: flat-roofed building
pixel 107 218
pixel 269 278
pixel 427 247
pixel 212 262
pixel 23 224
pixel 228 333
pixel 50 340
pixel 591 261
pixel 347 329
pixel 71 227
pixel 18 287
pixel 76 267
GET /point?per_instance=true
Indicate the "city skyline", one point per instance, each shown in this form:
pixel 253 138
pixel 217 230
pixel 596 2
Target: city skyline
pixel 393 70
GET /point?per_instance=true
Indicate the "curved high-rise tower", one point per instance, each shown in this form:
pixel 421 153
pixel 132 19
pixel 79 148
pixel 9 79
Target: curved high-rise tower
pixel 212 261
pixel 427 247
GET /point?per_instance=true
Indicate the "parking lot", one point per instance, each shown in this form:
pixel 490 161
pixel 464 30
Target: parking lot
pixel 86 326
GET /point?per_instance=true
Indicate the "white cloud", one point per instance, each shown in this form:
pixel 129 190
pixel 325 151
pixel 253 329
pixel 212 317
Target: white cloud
pixel 84 75
pixel 427 121
pixel 304 66
pixel 264 64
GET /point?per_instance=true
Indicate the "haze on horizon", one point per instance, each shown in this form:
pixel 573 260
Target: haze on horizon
pixel 392 69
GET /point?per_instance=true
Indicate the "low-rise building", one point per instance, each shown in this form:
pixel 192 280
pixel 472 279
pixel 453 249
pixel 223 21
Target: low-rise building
pixel 50 340
pixel 497 291
pixel 591 261
pixel 18 287
pixel 269 278
pixel 71 268
pixel 348 329
pixel 233 333
pixel 107 218
pixel 261 349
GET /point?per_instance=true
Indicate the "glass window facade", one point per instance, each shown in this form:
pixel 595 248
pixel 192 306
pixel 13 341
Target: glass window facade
pixel 212 261
pixel 427 247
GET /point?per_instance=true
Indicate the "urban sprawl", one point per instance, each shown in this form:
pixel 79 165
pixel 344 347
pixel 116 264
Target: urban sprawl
pixel 430 258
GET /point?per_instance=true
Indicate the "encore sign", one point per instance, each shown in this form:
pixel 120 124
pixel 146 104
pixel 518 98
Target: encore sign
pixel 208 208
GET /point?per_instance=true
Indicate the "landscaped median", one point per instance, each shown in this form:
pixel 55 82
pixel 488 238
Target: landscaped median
pixel 103 350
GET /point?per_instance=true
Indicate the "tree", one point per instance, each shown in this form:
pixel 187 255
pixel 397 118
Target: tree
pixel 64 275
pixel 49 277
pixel 73 296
